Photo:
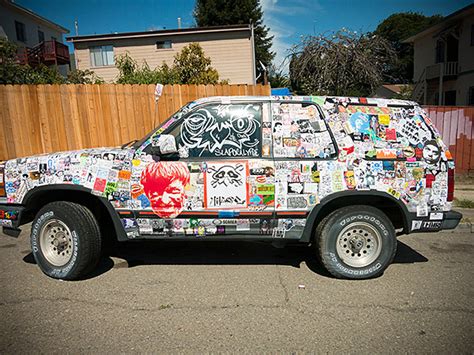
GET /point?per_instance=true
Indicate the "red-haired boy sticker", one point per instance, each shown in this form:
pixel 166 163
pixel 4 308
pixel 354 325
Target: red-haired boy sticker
pixel 164 184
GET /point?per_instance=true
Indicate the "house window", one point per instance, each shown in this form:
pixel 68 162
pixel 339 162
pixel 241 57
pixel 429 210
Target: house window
pixel 163 45
pixel 439 51
pixel 470 99
pixel 102 56
pixel 40 36
pixel 450 98
pixel 20 31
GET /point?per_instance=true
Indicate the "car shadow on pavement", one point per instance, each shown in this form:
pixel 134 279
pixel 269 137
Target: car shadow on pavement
pixel 221 253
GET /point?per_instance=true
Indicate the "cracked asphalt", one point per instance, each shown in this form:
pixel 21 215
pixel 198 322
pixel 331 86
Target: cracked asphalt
pixel 240 297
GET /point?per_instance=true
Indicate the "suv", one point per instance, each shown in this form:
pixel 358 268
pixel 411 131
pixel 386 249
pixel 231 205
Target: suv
pixel 344 175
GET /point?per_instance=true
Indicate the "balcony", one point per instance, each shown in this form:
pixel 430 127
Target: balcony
pixel 446 69
pixel 47 53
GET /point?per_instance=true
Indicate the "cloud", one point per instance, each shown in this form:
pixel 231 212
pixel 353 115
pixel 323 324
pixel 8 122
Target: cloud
pixel 281 32
pixel 275 15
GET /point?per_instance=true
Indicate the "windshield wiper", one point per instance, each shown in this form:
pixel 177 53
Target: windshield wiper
pixel 129 143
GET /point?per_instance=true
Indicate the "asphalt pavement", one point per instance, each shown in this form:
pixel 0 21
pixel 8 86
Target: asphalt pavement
pixel 170 297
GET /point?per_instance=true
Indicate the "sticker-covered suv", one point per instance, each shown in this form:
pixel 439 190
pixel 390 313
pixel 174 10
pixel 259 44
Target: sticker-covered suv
pixel 344 175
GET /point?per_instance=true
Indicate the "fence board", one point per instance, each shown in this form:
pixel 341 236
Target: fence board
pixel 455 124
pixel 49 118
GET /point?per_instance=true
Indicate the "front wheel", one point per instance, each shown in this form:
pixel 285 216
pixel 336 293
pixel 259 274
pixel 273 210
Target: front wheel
pixel 356 242
pixel 65 240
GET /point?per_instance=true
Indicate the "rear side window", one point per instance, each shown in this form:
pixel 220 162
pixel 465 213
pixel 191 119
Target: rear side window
pixel 221 130
pixel 300 132
pixel 386 132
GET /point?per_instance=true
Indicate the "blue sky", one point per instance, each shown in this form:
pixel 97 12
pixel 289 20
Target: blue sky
pixel 287 20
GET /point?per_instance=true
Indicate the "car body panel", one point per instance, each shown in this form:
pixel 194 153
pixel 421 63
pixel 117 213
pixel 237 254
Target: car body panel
pixel 255 166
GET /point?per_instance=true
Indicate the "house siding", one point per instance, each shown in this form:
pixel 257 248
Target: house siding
pixel 230 53
pixel 425 55
pixel 8 16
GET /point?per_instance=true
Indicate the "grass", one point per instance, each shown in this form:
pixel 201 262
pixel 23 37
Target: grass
pixel 463 203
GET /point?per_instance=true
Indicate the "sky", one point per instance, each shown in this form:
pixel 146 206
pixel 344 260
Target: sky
pixel 288 20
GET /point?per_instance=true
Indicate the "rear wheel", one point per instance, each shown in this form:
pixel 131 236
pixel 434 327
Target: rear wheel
pixel 356 242
pixel 65 240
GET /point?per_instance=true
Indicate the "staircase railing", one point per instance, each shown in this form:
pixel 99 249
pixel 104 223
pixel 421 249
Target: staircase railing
pixel 419 89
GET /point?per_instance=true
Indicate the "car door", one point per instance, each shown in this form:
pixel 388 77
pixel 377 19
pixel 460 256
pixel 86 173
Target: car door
pixel 305 155
pixel 218 183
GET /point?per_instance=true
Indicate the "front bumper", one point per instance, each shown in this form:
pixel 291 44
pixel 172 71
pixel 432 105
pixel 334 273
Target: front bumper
pixel 10 218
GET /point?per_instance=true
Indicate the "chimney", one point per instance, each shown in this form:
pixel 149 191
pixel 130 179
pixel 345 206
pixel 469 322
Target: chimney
pixel 179 22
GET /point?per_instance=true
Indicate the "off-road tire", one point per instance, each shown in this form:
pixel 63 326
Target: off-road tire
pixel 334 229
pixel 77 231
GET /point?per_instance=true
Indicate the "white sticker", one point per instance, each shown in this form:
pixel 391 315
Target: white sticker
pixel 416 225
pixel 422 210
pixel 436 215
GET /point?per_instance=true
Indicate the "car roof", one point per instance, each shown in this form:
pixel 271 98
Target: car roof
pixel 316 99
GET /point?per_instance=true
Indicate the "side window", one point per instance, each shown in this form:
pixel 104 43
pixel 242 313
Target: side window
pixel 300 132
pixel 221 130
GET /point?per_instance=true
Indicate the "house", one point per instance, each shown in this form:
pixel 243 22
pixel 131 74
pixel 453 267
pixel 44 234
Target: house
pixel 231 49
pixel 444 60
pixel 390 91
pixel 39 40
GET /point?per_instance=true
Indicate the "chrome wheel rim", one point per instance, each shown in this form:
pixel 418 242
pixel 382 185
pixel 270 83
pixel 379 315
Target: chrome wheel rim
pixel 359 244
pixel 56 242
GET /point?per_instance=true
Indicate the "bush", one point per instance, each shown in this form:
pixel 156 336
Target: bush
pixel 190 66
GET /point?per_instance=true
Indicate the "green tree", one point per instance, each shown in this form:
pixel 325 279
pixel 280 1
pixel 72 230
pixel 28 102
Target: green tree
pixel 190 66
pixel 233 12
pixel 193 67
pixel 277 78
pixel 344 64
pixel 395 29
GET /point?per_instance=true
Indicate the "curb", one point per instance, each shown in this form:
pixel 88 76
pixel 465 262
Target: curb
pixel 463 227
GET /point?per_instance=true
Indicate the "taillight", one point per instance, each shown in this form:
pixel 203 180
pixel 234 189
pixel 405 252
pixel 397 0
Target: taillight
pixel 450 184
pixel 2 180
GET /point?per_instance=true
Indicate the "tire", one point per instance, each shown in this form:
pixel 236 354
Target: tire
pixel 356 242
pixel 65 240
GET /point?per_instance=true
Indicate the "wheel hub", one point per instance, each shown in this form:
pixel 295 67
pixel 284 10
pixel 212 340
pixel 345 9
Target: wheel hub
pixel 56 242
pixel 359 244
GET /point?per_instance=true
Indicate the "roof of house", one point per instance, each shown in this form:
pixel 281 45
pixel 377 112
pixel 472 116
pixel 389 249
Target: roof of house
pixel 37 17
pixel 396 88
pixel 448 20
pixel 171 32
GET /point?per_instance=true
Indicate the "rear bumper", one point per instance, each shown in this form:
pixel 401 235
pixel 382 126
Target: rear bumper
pixel 435 221
pixel 451 220
pixel 10 218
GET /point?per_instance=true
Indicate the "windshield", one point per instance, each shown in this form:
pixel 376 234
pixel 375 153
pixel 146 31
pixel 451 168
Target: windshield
pixel 163 126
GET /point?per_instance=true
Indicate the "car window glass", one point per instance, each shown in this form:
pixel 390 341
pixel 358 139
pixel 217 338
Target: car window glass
pixel 300 132
pixel 220 130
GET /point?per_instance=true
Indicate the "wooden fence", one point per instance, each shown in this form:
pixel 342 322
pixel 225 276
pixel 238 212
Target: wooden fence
pixel 455 124
pixel 47 118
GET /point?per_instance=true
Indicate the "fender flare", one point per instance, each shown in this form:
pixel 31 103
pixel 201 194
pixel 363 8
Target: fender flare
pixel 315 212
pixel 117 224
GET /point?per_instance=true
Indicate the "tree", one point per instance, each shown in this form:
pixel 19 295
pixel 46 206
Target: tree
pixel 395 29
pixel 277 78
pixel 190 66
pixel 344 64
pixel 233 12
pixel 193 67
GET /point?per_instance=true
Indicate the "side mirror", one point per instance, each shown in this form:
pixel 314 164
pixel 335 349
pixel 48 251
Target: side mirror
pixel 164 144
